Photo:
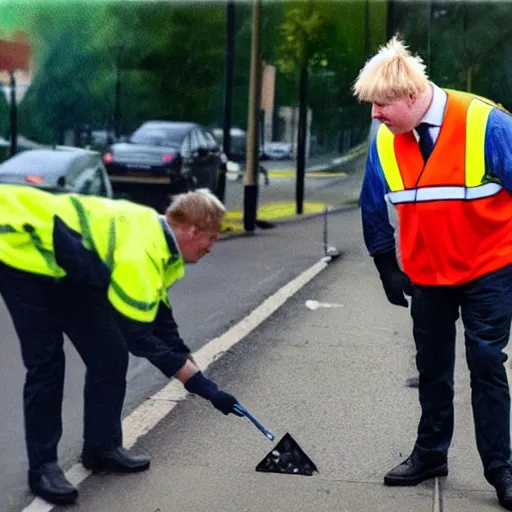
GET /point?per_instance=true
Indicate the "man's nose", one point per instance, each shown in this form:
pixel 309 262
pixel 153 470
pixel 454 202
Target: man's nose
pixel 375 111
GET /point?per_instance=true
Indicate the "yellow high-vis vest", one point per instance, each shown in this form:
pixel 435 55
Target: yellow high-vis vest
pixel 127 237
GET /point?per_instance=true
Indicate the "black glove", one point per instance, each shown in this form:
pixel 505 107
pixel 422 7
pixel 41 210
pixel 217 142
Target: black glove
pixel 200 385
pixel 394 281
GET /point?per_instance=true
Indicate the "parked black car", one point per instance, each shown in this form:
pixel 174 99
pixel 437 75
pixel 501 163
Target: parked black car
pixel 237 151
pixel 63 169
pixel 163 158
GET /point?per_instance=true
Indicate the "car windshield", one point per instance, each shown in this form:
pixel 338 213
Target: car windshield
pixel 159 136
pixel 38 162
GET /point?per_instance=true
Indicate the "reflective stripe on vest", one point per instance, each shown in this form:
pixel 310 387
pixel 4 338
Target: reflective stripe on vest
pixel 417 195
pixel 476 124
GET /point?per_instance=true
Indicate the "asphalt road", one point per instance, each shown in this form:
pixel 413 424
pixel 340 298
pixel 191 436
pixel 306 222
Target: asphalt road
pixel 217 292
pixel 335 191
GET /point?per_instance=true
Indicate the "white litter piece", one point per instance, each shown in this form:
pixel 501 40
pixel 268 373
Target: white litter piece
pixel 313 305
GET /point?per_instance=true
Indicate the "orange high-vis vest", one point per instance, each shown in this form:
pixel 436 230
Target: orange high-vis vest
pixel 455 224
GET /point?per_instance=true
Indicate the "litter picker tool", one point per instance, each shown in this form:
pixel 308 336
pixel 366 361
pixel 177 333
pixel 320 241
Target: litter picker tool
pixel 242 410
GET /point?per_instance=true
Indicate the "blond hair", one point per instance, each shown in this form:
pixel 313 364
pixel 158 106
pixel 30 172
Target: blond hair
pixel 391 74
pixel 199 208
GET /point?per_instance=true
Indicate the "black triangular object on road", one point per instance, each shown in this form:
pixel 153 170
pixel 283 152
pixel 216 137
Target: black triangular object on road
pixel 287 457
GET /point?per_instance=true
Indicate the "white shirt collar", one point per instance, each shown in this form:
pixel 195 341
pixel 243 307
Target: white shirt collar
pixel 168 231
pixel 435 113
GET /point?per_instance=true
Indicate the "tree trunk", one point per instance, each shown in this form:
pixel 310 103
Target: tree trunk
pixel 252 158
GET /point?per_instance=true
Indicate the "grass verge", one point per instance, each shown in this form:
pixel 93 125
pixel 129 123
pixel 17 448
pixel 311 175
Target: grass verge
pixel 290 173
pixel 233 221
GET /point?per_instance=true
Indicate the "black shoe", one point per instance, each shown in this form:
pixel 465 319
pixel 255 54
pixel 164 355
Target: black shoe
pixel 414 470
pixel 501 479
pixel 48 482
pixel 117 460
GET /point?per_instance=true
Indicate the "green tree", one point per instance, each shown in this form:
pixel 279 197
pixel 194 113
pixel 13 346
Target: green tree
pixel 171 58
pixel 65 69
pixel 356 31
pixel 470 43
pixel 304 47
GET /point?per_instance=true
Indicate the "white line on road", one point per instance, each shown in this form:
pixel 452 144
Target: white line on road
pixel 145 417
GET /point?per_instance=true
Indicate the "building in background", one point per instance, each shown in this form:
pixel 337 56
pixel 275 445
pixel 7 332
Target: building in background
pixel 268 87
pixel 288 122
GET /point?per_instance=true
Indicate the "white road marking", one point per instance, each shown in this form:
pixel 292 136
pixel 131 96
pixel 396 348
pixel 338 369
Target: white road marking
pixel 147 415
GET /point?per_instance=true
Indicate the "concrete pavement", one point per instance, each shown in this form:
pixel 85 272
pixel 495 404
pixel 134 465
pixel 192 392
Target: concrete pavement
pixel 335 379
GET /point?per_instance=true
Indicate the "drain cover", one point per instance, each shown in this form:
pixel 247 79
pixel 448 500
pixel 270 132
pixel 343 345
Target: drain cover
pixel 287 457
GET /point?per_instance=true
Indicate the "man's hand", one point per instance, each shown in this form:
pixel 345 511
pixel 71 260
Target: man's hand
pixel 202 386
pixel 225 403
pixel 395 286
pixel 190 357
pixel 395 282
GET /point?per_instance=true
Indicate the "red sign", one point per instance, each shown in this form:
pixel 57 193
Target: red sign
pixel 14 55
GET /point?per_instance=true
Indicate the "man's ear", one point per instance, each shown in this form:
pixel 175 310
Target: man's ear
pixel 412 99
pixel 193 230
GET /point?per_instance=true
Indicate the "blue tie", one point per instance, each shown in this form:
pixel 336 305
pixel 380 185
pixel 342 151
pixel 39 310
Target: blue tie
pixel 425 142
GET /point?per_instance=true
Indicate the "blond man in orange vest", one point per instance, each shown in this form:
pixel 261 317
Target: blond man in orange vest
pixel 444 159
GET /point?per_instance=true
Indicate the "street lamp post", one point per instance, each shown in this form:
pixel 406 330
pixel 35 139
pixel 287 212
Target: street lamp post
pixel 367 29
pixel 228 95
pixel 390 21
pixel 13 116
pixel 251 174
pixel 117 99
pixel 301 140
pixel 429 38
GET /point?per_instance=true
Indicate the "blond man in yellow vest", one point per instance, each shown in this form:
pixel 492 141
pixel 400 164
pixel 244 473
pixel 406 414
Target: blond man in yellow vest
pixel 97 270
pixel 444 159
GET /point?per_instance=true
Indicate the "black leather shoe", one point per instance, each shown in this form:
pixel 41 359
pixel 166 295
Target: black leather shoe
pixel 414 470
pixel 48 482
pixel 501 479
pixel 117 460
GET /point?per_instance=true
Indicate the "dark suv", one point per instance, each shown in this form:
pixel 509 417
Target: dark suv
pixel 163 158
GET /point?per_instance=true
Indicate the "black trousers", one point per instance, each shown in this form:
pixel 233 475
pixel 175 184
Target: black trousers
pixel 42 309
pixel 485 306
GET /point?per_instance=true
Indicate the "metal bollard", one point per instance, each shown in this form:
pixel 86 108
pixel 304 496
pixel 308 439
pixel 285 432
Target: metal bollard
pixel 329 250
